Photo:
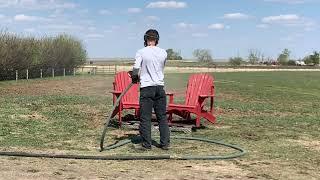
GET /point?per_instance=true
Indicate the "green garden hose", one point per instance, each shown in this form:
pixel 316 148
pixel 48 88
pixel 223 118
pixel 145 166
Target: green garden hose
pixel 124 142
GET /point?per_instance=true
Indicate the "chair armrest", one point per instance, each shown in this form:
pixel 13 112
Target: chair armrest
pixel 116 92
pixel 170 94
pixel 206 96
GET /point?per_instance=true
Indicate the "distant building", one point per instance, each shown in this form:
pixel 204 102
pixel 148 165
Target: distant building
pixel 300 63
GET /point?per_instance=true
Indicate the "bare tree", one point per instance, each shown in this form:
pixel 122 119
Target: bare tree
pixel 254 56
pixel 203 55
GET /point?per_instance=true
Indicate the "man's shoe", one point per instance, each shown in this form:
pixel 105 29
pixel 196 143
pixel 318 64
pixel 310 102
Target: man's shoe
pixel 164 147
pixel 141 147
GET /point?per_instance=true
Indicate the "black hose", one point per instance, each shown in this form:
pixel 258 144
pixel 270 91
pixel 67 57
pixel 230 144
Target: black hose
pixel 106 124
pixel 83 157
pixel 122 143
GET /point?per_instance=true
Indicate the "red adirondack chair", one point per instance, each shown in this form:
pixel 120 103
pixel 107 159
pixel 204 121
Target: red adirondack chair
pixel 130 100
pixel 200 87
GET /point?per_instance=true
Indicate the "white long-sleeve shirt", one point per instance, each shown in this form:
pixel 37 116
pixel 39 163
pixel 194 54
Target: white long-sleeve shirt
pixel 151 61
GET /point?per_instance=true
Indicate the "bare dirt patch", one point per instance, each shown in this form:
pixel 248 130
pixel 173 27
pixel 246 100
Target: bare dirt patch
pixel 97 85
pixel 95 116
pixel 31 168
pixel 274 169
pixel 308 143
pixel 34 116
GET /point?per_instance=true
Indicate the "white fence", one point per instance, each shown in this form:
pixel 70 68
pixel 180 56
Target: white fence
pixel 112 69
pixel 40 73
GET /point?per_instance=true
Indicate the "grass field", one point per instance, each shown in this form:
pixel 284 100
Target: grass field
pixel 273 115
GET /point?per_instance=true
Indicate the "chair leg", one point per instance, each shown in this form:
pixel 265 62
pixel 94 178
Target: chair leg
pixel 120 117
pixel 136 113
pixel 198 121
pixel 189 117
pixel 211 105
pixel 170 118
pixel 209 116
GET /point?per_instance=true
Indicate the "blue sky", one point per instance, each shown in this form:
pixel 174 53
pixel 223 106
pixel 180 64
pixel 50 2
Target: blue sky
pixel 113 28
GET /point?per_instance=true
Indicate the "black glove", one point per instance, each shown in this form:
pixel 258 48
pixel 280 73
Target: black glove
pixel 134 76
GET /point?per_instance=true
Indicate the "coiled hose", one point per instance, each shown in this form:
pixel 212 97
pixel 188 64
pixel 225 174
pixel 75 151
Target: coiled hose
pixel 241 151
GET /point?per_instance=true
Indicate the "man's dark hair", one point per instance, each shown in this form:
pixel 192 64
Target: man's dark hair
pixel 151 35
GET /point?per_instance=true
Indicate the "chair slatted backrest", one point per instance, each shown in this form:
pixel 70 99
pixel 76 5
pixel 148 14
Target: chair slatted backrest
pixel 121 82
pixel 199 84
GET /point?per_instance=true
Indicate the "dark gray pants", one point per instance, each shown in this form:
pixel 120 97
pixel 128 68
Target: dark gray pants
pixel 153 97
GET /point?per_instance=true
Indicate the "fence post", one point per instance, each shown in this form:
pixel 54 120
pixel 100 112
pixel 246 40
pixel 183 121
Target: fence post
pixel 74 71
pixel 41 73
pixel 94 70
pixel 27 74
pixel 52 72
pixel 64 72
pixel 115 69
pixel 17 75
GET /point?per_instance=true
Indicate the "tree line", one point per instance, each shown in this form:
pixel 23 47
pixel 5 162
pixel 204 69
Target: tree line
pixel 21 53
pixel 255 57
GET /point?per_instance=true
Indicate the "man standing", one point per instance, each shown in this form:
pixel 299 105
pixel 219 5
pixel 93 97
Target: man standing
pixel 150 61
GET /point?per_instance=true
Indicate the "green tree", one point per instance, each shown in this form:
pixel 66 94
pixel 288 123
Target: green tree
pixel 307 60
pixel 312 59
pixel 172 55
pixel 236 61
pixel 284 57
pixel 203 55
pixel 21 53
pixel 292 63
pixel 315 58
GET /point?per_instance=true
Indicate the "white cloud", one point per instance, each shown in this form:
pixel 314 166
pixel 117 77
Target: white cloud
pixel 263 26
pixel 200 35
pixel 291 20
pixel 37 4
pixel 167 5
pixel 217 26
pixel 152 18
pixel 134 10
pixel 183 25
pixel 94 36
pixel 237 16
pixel 62 27
pixel 26 18
pixel 105 12
pixel 285 19
pixel 288 1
